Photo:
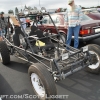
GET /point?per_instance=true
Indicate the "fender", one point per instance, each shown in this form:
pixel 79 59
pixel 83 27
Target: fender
pixel 61 31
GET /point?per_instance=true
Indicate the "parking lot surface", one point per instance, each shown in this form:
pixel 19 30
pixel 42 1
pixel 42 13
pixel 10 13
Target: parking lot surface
pixel 14 80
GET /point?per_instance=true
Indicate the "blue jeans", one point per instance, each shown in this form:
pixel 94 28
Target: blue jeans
pixel 73 30
pixel 2 32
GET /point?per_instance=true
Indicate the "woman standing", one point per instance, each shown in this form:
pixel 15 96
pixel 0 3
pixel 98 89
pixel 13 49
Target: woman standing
pixel 74 17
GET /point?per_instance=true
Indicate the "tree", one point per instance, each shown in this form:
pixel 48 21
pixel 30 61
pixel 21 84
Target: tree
pixel 29 8
pixel 25 7
pixel 2 12
pixel 65 9
pixel 16 11
pixel 21 11
pixel 10 12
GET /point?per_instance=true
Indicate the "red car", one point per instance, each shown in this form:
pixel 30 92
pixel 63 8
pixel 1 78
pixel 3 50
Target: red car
pixel 90 28
pixel 92 13
pixel 95 16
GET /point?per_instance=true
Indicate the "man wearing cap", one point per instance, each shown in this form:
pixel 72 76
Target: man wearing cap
pixel 74 17
pixel 3 25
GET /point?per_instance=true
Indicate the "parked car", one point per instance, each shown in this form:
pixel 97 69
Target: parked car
pixel 94 15
pixel 90 28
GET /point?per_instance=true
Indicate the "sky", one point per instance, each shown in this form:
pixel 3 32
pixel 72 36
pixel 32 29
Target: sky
pixel 6 5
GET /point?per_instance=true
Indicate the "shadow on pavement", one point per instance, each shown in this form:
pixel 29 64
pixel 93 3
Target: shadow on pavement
pixel 84 84
pixel 8 93
pixel 21 67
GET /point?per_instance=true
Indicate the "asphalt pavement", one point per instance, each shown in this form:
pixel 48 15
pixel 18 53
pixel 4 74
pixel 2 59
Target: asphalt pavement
pixel 14 80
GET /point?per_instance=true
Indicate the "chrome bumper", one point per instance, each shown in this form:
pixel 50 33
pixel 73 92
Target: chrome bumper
pixel 88 38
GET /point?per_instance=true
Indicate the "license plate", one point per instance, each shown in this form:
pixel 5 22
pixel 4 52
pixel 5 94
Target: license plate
pixel 97 30
pixel 65 56
pixel 85 48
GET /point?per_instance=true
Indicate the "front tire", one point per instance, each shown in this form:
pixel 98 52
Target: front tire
pixel 95 66
pixel 63 36
pixel 42 81
pixel 4 53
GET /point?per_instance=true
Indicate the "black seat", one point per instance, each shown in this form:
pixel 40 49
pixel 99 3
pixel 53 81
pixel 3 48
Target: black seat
pixel 48 44
pixel 33 29
pixel 18 32
pixel 16 38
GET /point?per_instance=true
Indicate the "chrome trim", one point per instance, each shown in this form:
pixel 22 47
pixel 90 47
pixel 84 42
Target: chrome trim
pixel 87 38
pixel 96 27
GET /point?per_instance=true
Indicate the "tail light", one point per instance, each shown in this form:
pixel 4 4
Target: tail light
pixel 84 32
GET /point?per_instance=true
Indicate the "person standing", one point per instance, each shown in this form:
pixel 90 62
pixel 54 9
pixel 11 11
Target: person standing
pixel 22 20
pixel 74 17
pixel 3 25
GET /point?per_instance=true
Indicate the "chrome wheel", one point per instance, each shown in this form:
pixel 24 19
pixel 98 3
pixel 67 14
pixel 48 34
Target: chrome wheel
pixel 96 65
pixel 38 85
pixel 0 57
pixel 62 38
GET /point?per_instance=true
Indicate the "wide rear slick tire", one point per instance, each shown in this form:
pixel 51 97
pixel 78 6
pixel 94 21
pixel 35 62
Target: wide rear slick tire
pixel 4 53
pixel 41 77
pixel 94 68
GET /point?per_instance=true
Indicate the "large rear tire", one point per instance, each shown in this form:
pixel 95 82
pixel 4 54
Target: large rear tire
pixel 95 66
pixel 42 82
pixel 4 53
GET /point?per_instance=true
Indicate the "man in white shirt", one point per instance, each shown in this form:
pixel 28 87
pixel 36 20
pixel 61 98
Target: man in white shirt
pixel 23 21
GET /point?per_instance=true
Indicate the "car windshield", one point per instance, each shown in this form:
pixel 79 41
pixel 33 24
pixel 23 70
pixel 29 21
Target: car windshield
pixel 47 20
pixel 55 18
